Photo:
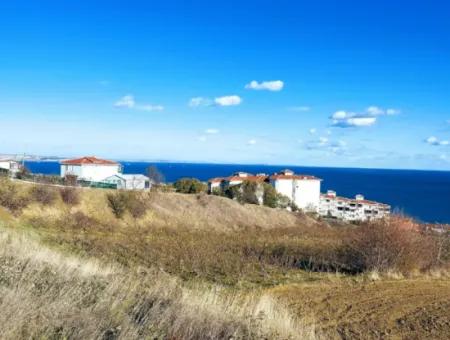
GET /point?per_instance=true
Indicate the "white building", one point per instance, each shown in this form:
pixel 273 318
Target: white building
pixel 12 166
pixel 303 190
pixel 129 182
pixel 357 209
pixel 90 168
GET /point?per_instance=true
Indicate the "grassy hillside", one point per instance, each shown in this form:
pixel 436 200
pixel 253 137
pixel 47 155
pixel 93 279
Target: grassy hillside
pixel 171 266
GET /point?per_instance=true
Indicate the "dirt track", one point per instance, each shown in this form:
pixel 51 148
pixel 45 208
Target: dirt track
pixel 397 309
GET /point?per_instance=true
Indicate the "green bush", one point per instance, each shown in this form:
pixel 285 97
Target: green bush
pixel 249 192
pixel 270 196
pixel 189 186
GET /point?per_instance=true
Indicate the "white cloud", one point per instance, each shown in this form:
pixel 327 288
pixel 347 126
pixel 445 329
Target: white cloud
pixel 126 102
pixel 345 119
pixel 199 101
pixel 312 131
pixel 228 100
pixel 325 144
pixel 202 138
pixel 211 131
pixel 251 142
pixel 348 119
pixel 392 112
pixel 340 115
pixel 361 121
pixel 432 140
pixel 375 110
pixel 274 85
pixel 323 140
pixel 300 108
pixel 150 108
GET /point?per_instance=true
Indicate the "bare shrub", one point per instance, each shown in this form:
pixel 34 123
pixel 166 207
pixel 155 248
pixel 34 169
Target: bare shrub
pixel 69 196
pixel 11 197
pixel 136 204
pixel 78 220
pixel 71 180
pixel 43 194
pixel 118 202
pixel 390 244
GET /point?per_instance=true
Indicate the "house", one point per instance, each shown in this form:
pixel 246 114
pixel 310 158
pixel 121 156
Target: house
pixel 348 209
pixel 10 165
pixel 90 168
pixel 222 183
pixel 303 190
pixel 129 182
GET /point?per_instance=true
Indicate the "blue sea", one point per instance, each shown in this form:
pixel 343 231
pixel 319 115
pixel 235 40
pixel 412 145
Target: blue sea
pixel 424 195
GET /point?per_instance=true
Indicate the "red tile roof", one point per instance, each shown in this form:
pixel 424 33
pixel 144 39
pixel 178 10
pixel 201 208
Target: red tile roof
pixel 88 160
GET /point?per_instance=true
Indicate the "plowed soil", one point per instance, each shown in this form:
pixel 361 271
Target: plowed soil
pixel 397 309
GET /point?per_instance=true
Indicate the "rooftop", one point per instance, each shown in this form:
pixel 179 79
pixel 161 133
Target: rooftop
pixel 88 160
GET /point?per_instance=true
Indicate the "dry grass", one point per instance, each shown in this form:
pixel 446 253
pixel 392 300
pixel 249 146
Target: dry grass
pixel 194 267
pixel 44 294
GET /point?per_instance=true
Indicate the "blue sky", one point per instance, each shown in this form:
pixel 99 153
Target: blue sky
pixel 325 83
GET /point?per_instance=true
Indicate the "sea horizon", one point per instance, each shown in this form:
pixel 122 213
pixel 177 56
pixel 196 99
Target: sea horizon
pixel 413 192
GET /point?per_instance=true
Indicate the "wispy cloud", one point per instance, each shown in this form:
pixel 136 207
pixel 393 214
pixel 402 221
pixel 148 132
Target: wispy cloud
pixel 325 144
pixel 212 131
pixel 228 100
pixel 273 85
pixel 128 102
pixel 125 102
pixel 218 101
pixel 345 119
pixel 377 111
pixel 312 131
pixel 200 101
pixel 202 139
pixel 251 142
pixel 299 108
pixel 432 140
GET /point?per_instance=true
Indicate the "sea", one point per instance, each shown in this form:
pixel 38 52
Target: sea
pixel 423 195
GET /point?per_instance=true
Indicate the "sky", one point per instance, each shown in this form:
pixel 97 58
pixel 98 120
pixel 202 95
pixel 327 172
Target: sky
pixel 314 83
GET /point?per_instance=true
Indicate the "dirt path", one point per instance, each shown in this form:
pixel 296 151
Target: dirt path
pixel 399 309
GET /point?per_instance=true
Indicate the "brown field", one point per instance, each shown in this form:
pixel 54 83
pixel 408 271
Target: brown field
pixel 202 267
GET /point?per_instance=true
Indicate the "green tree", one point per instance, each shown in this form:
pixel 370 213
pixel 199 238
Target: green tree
pixel 270 196
pixel 189 186
pixel 249 190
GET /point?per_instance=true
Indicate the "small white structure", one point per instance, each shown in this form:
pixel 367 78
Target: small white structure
pixel 303 190
pixel 357 209
pixel 11 165
pixel 129 182
pixel 90 168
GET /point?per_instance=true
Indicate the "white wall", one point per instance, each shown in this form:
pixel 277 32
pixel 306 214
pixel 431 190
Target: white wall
pixel 284 187
pixel 90 172
pixel 307 194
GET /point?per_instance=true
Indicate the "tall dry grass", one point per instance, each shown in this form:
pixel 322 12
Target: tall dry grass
pixel 45 294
